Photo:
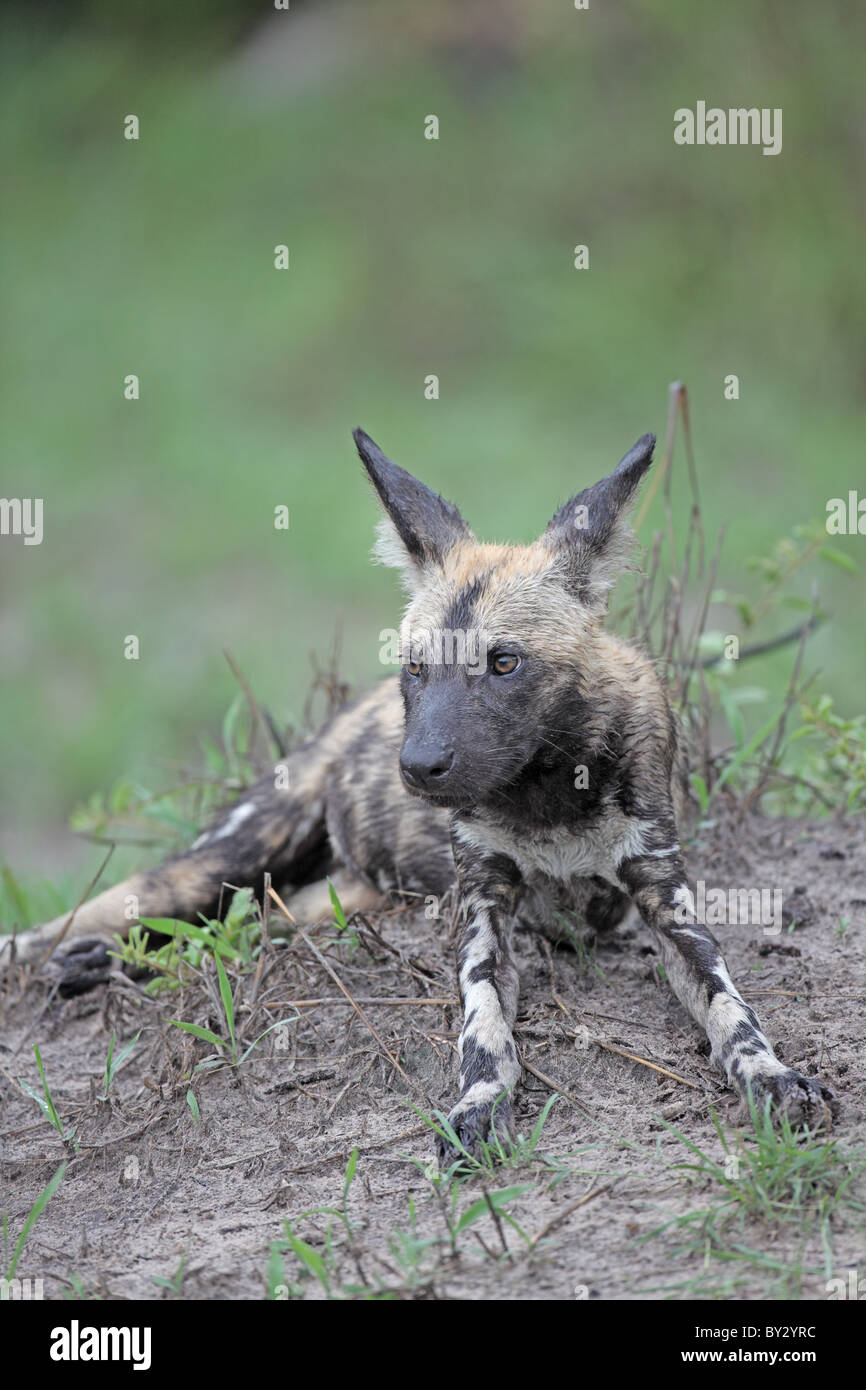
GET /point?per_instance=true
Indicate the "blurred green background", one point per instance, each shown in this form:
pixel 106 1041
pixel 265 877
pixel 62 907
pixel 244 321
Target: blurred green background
pixel 408 257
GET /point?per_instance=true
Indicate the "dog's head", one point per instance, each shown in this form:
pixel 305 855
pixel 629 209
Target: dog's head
pixel 495 639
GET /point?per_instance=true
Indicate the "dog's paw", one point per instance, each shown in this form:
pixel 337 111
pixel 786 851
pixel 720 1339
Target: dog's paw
pixel 83 965
pixel 475 1125
pixel 801 1100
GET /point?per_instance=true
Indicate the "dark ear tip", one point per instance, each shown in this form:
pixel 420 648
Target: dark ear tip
pixel 368 450
pixel 639 455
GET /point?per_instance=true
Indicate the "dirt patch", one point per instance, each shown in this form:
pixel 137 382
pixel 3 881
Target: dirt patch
pixel 149 1186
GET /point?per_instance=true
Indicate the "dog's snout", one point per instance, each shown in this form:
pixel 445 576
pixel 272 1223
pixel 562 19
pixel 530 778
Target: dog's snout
pixel 426 766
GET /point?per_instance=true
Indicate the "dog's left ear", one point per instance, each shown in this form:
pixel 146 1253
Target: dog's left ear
pixel 420 527
pixel 590 533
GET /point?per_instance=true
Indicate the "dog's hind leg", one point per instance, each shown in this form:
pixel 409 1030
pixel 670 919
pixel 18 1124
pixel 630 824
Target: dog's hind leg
pixel 313 903
pixel 268 829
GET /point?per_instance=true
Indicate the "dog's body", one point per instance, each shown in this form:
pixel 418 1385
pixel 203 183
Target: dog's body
pixel 543 772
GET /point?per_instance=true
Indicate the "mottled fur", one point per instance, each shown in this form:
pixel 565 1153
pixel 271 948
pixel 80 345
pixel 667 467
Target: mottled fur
pixel 547 773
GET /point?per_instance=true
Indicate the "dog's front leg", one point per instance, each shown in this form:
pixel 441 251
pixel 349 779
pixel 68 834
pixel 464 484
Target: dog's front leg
pixel 488 888
pixel 699 977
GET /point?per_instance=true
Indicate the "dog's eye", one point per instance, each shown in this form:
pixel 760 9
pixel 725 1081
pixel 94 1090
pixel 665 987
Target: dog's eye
pixel 505 663
pixel 413 667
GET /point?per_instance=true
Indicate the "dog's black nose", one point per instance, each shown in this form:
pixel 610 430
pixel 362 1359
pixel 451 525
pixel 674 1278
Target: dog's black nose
pixel 426 766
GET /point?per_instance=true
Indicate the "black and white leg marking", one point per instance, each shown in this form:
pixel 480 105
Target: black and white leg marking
pixel 699 977
pixel 487 976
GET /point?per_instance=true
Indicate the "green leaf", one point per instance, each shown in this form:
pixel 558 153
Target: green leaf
pixel 178 930
pixel 204 1033
pixel 112 1067
pixel 228 1001
pixel 55 1118
pixel 310 1258
pixel 749 748
pixel 192 1102
pixel 700 787
pixel 350 1173
pixel 746 611
pixel 840 558
pixel 33 1215
pixel 498 1200
pixel 276 1273
pixel 791 601
pixel 240 909
pixel 339 914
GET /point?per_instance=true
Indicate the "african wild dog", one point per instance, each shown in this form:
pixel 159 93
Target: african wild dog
pixel 544 765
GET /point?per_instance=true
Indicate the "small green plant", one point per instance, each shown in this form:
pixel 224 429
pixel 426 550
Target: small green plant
pixel 835 761
pixel 325 1266
pixel 131 814
pixel 745 752
pixel 495 1206
pixel 78 1291
pixel 323 1259
pixel 341 1213
pixel 175 1283
pixel 236 938
pixel 775 1178
pixel 703 665
pixel 489 1155
pixel 409 1250
pixel 701 792
pixel 46 1103
pixel 228 1052
pixel 276 1288
pixel 347 934
pixel 113 1064
pixel 311 1262
pixel 11 1264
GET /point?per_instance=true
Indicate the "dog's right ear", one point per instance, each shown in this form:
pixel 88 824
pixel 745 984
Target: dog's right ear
pixel 420 527
pixel 590 532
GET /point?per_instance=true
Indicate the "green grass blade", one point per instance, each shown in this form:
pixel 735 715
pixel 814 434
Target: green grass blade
pixel 33 1215
pixel 55 1118
pixel 204 1033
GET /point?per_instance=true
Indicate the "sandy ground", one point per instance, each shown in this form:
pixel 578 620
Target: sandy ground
pixel 149 1187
